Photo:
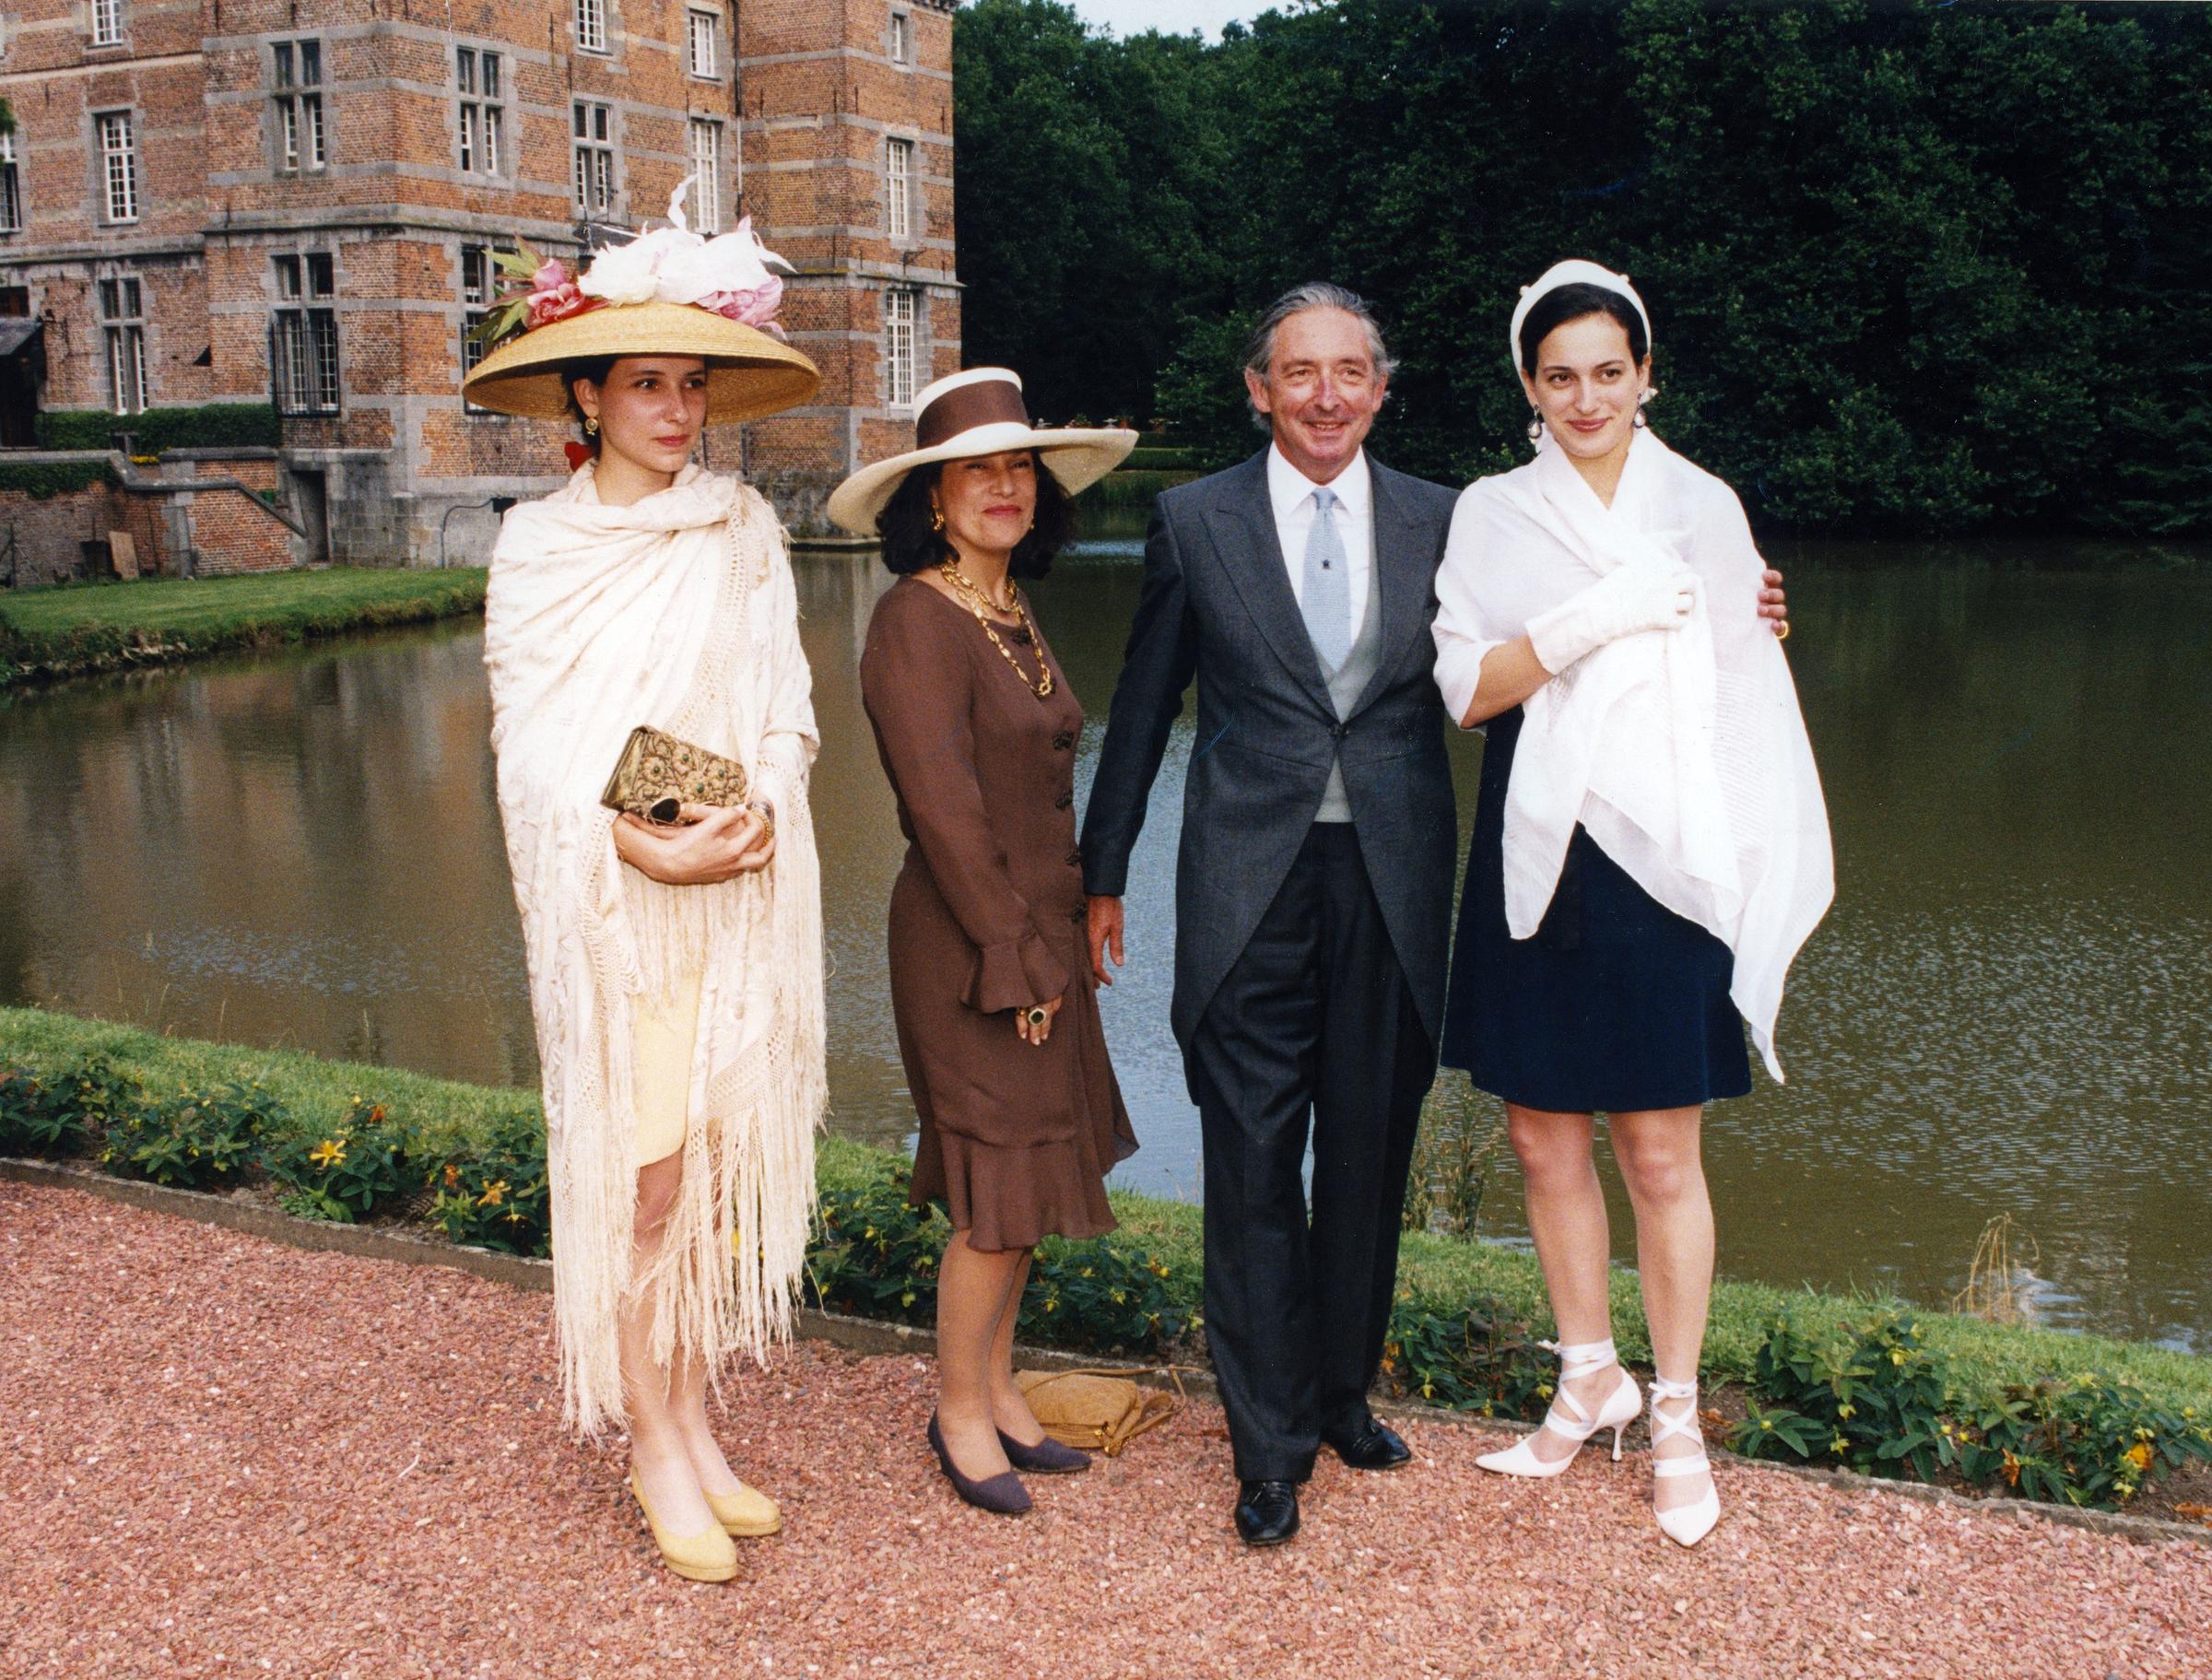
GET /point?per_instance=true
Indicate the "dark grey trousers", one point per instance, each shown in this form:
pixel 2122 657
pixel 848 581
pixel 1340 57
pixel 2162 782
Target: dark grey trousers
pixel 1315 1018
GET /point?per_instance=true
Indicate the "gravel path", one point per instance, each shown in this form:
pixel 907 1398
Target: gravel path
pixel 223 1456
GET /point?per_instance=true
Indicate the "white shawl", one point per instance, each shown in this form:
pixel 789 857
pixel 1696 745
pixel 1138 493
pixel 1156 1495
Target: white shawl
pixel 1682 752
pixel 677 611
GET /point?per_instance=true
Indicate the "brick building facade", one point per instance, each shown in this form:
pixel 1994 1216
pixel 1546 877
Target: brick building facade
pixel 289 201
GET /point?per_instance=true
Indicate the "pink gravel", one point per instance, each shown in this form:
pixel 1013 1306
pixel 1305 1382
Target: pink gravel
pixel 224 1456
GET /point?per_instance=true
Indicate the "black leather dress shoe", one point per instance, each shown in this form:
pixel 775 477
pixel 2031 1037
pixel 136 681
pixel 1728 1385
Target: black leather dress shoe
pixel 1373 1445
pixel 1266 1512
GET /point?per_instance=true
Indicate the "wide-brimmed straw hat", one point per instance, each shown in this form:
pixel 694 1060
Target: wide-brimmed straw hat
pixel 980 412
pixel 749 373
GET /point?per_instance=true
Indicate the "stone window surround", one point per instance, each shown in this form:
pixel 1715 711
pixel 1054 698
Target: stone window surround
pixel 12 199
pixel 904 307
pixel 115 168
pixel 303 332
pixel 104 24
pixel 596 158
pixel 119 301
pixel 904 216
pixel 706 66
pixel 300 135
pixel 481 82
pixel 704 137
pixel 899 44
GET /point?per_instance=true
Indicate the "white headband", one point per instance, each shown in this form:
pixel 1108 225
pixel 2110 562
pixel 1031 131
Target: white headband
pixel 1574 272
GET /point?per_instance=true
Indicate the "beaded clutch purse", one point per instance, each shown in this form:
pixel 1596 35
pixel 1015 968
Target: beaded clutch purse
pixel 658 774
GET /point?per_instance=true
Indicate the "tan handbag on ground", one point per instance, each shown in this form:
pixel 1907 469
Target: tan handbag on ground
pixel 658 774
pixel 1099 1411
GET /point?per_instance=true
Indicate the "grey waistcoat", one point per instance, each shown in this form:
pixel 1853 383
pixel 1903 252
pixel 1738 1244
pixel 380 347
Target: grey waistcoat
pixel 1349 681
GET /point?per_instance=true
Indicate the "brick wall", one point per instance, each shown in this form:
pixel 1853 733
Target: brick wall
pixel 806 94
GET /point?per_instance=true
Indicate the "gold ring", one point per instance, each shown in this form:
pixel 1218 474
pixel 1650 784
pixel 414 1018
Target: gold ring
pixel 1781 629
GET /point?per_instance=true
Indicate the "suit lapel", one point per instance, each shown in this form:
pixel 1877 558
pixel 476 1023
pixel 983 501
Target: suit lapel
pixel 1241 523
pixel 1403 573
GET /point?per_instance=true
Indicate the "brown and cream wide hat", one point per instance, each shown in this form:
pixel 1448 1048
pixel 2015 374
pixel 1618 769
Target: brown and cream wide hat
pixel 980 412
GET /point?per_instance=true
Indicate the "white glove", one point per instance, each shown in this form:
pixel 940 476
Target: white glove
pixel 1645 595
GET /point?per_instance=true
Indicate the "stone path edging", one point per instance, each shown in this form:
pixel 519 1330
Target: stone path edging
pixel 870 1336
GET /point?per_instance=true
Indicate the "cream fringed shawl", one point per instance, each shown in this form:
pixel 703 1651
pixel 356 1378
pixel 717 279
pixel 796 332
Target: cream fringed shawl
pixel 677 611
pixel 1682 752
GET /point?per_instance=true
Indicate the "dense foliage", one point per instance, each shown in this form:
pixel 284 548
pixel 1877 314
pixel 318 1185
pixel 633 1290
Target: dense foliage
pixel 1914 266
pixel 208 426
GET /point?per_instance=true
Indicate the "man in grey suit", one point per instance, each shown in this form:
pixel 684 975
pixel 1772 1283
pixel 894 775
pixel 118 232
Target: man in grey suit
pixel 1313 890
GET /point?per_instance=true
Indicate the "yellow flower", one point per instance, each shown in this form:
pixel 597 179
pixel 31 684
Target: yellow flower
pixel 1766 1423
pixel 1846 1411
pixel 1896 1356
pixel 1839 1445
pixel 329 1153
pixel 2138 1455
pixel 494 1194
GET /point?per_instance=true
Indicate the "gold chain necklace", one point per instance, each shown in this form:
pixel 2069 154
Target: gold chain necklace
pixel 972 597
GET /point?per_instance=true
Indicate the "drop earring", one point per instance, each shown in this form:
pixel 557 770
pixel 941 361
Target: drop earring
pixel 1642 421
pixel 1536 424
pixel 936 519
pixel 590 425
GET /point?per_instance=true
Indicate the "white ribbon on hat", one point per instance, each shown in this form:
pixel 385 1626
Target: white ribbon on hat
pixel 1574 271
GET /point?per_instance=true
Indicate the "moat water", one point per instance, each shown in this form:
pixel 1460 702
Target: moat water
pixel 2005 1012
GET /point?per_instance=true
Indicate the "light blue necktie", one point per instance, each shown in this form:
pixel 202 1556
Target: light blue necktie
pixel 1327 596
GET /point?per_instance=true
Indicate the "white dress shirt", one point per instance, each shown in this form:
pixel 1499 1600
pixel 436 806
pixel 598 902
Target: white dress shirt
pixel 1290 493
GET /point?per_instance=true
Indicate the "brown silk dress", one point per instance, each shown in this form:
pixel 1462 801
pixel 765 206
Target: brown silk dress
pixel 986 916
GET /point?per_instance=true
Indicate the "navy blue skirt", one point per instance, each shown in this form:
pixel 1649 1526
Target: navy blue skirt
pixel 1615 1004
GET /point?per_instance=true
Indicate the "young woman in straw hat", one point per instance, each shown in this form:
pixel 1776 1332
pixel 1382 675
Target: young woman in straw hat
pixel 998 1027
pixel 1650 850
pixel 675 969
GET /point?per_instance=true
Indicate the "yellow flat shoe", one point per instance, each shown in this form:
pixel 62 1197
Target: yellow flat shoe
pixel 747 1514
pixel 706 1556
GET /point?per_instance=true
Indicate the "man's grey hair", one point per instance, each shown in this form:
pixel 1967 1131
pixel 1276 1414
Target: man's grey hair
pixel 1259 350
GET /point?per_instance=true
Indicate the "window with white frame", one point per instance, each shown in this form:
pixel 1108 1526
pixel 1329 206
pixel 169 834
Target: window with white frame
pixel 301 141
pixel 11 188
pixel 902 37
pixel 123 326
pixel 702 30
pixel 118 165
pixel 592 126
pixel 591 25
pixel 481 77
pixel 899 187
pixel 479 298
pixel 303 333
pixel 706 163
pixel 901 357
pixel 107 22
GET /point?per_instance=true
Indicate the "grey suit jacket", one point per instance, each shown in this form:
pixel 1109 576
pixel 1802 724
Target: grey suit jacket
pixel 1217 604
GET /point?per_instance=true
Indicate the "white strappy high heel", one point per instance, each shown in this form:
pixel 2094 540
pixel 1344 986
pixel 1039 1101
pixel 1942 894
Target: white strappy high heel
pixel 1688 1524
pixel 1576 1422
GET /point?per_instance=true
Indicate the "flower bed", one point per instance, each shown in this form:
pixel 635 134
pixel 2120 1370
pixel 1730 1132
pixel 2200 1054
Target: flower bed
pixel 1870 1390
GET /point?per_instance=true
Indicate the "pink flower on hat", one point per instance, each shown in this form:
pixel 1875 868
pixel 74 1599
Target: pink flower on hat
pixel 554 295
pixel 755 306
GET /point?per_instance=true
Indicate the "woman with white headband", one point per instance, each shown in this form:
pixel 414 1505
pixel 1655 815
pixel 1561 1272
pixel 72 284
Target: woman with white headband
pixel 1650 849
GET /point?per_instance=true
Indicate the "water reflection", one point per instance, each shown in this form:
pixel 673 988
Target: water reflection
pixel 2002 1014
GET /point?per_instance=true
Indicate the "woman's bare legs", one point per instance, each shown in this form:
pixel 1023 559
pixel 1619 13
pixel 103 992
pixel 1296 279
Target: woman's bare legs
pixel 1009 1410
pixel 978 1298
pixel 1567 1217
pixel 659 1457
pixel 1660 1161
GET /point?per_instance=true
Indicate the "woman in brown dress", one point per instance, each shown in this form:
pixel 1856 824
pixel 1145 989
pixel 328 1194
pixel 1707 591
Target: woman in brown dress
pixel 998 1023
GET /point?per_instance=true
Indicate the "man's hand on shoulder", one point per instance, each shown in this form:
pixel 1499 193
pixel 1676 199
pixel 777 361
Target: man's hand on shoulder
pixel 1771 601
pixel 1102 934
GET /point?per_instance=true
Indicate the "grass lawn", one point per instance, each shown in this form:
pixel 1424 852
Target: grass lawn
pixel 447 1115
pixel 83 626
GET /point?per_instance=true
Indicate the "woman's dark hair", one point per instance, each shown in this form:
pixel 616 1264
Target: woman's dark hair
pixel 594 368
pixel 909 544
pixel 1556 309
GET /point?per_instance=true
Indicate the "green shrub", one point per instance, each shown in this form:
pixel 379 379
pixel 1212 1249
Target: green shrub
pixel 1870 1397
pixel 208 426
pixel 1105 1296
pixel 43 480
pixel 343 1173
pixel 498 1196
pixel 874 1257
pixel 38 1117
pixel 190 1142
pixel 1470 1355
